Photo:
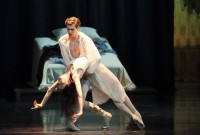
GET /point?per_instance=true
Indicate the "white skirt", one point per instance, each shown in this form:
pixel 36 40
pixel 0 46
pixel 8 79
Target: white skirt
pixel 105 85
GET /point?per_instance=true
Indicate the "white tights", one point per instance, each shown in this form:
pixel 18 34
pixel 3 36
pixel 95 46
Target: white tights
pixel 129 109
pixel 127 106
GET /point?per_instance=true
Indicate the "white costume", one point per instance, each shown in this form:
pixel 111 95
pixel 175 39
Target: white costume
pixel 105 84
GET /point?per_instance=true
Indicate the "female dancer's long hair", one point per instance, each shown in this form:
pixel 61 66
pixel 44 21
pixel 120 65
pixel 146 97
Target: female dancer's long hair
pixel 69 100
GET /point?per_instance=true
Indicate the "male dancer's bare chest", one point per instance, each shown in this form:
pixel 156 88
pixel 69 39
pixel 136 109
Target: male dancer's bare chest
pixel 74 48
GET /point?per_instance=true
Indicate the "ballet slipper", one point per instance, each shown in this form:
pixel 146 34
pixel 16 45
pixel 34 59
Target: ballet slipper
pixel 138 121
pixel 106 115
pixel 71 126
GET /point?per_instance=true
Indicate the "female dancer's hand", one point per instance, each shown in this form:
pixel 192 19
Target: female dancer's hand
pixel 76 116
pixel 36 105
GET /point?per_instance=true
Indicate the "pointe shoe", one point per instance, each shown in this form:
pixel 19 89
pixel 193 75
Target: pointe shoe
pixel 71 126
pixel 138 121
pixel 106 115
pixel 107 118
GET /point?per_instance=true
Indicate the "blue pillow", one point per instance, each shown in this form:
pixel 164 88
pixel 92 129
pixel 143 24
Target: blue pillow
pixel 91 32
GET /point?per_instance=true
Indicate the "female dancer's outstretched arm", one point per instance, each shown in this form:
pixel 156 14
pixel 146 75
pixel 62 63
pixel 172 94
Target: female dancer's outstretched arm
pixel 46 97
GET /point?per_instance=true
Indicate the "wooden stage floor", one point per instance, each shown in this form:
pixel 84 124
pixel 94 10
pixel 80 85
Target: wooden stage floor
pixel 162 116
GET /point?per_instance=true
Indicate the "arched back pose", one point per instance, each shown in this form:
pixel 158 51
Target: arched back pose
pixel 104 83
pixel 73 95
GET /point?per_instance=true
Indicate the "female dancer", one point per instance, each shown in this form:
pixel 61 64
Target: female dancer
pixel 73 95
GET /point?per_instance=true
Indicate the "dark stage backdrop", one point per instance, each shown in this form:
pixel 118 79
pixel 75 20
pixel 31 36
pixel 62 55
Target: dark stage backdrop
pixel 141 31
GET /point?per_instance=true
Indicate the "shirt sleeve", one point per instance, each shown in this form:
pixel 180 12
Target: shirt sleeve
pixel 92 54
pixel 64 53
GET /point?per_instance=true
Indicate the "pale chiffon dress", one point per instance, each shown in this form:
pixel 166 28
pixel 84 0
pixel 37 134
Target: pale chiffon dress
pixel 104 83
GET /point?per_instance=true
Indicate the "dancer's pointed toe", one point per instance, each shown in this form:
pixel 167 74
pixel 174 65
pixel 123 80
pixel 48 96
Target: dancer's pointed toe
pixel 139 122
pixel 107 119
pixel 72 127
